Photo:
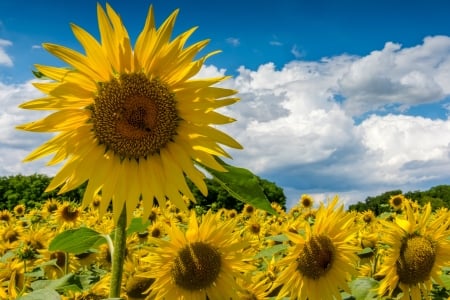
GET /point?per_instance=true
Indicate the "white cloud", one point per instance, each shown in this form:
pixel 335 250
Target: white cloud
pixel 5 59
pixel 297 123
pixel 396 75
pixel 36 47
pixel 233 41
pixel 16 144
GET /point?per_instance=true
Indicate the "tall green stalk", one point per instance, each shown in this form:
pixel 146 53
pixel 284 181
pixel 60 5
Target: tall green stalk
pixel 118 255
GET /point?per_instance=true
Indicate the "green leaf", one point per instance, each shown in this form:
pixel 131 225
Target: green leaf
pixel 137 225
pixel 47 294
pixel 242 185
pixel 446 280
pixel 364 288
pixel 271 251
pixel 75 240
pixel 278 238
pixel 52 284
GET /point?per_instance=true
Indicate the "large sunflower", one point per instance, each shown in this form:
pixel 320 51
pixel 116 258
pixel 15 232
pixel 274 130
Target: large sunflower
pixel 131 121
pixel 419 248
pixel 318 264
pixel 205 261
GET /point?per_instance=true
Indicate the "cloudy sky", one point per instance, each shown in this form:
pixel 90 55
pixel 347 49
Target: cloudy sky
pixel 337 97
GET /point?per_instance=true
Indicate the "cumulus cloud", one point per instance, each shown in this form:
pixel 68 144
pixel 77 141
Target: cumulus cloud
pixel 297 122
pixel 5 59
pixel 16 144
pixel 396 75
pixel 298 127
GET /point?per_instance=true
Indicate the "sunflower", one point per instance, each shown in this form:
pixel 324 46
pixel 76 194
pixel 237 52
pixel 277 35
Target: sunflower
pixel 368 217
pixel 5 216
pixel 68 214
pixel 397 201
pixel 318 264
pixel 202 262
pixel 132 122
pixel 419 247
pixel 306 201
pixel 19 210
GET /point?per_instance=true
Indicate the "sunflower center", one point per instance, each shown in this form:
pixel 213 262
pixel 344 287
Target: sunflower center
pixel 368 218
pixel 69 214
pixel 316 257
pixel 134 116
pixel 196 266
pixel 397 201
pixel 417 256
pixel 306 202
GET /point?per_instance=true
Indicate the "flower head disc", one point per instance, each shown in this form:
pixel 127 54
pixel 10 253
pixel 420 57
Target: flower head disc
pixel 418 249
pixel 204 262
pixel 319 262
pixel 132 122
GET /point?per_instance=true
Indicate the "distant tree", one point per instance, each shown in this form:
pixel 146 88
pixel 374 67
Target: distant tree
pixel 377 204
pixel 438 196
pixel 219 198
pixel 30 191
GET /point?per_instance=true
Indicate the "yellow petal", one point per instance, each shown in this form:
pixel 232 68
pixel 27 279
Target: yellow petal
pixel 146 40
pixel 67 119
pixel 123 41
pixel 94 52
pixel 108 39
pixel 73 58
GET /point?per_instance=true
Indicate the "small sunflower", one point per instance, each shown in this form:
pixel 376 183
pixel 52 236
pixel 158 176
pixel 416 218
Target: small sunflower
pixel 368 217
pixel 397 201
pixel 203 262
pixel 50 206
pixel 306 201
pixel 19 210
pixel 68 214
pixel 132 122
pixel 419 248
pixel 317 265
pixel 5 216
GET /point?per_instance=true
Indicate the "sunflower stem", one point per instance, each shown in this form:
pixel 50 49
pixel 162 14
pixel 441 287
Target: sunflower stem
pixel 118 255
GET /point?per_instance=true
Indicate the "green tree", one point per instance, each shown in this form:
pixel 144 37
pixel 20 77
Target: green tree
pixel 377 204
pixel 219 198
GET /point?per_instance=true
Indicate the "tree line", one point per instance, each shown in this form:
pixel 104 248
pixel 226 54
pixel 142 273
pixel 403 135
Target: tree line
pixel 30 191
pixel 438 196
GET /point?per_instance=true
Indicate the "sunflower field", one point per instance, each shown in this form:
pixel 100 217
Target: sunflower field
pixel 133 122
pixel 312 251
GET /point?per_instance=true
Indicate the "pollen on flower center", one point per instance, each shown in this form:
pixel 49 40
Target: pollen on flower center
pixel 134 116
pixel 417 257
pixel 317 257
pixel 196 266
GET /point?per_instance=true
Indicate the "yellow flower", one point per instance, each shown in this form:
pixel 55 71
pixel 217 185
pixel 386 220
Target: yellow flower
pixel 419 247
pixel 368 217
pixel 202 262
pixel 131 121
pixel 318 264
pixel 68 214
pixel 397 201
pixel 306 201
pixel 19 210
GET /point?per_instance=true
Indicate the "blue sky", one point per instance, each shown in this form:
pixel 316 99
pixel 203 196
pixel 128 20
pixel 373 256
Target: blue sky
pixel 338 97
